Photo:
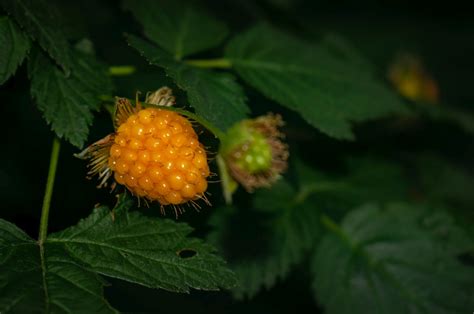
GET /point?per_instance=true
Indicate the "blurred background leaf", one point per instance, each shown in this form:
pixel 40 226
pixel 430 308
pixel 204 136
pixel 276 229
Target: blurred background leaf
pixel 326 90
pixel 383 259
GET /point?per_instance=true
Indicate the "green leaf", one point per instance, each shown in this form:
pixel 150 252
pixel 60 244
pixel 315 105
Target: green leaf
pixel 177 26
pixel 365 179
pixel 67 102
pixel 389 260
pixel 216 96
pixel 38 18
pixel 327 90
pixel 273 241
pixel 27 285
pixel 15 46
pixel 156 253
pixel 457 116
pixel 278 197
pixel 153 252
pixel 444 182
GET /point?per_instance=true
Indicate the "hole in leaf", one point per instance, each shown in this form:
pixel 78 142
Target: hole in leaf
pixel 186 253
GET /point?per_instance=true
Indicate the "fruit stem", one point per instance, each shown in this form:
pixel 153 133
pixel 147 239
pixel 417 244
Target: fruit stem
pixel 53 163
pixel 310 189
pixel 206 124
pixel 221 63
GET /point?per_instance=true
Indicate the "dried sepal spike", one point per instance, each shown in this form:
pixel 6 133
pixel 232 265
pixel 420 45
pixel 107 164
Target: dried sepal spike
pixel 161 97
pixel 123 110
pixel 98 154
pixel 254 151
pixel 155 153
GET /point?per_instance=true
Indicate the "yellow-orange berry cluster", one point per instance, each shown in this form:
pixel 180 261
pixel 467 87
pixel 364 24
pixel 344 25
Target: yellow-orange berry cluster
pixel 157 155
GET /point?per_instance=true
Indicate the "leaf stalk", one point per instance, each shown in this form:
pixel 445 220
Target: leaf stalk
pixel 220 63
pixel 53 163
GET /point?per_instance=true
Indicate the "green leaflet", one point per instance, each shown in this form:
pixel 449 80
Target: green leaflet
pixel 365 180
pixel 284 223
pixel 15 46
pixel 328 91
pixel 153 252
pixel 215 96
pixel 37 18
pixel 146 251
pixel 67 102
pixel 23 288
pixel 444 113
pixel 443 182
pixel 177 26
pixel 273 241
pixel 391 261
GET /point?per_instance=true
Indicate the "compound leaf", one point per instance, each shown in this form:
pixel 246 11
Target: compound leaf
pixel 273 241
pixel 215 96
pixel 56 285
pixel 391 261
pixel 67 102
pixel 327 90
pixel 156 253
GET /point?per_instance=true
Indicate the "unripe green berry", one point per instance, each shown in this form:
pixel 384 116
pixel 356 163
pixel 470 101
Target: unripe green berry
pixel 254 152
pixel 258 155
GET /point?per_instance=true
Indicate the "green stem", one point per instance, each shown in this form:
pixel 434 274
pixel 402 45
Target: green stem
pixel 53 163
pixel 207 124
pixel 332 226
pixel 229 185
pixel 221 63
pixel 43 232
pixel 121 70
pixel 306 191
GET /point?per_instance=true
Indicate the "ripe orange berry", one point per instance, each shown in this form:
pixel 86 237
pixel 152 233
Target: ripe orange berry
pixel 156 154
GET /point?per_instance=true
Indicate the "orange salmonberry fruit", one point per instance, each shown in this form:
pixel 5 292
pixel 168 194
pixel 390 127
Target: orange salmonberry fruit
pixel 156 154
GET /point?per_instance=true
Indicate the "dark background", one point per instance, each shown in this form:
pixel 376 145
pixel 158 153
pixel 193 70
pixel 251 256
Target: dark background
pixel 441 34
